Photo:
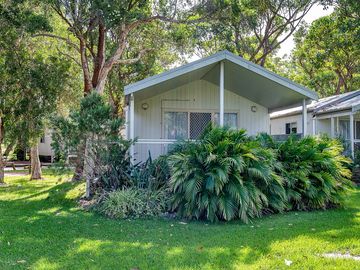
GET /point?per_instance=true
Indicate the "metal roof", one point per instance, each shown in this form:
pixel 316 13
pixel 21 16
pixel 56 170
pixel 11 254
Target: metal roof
pixel 241 76
pixel 346 101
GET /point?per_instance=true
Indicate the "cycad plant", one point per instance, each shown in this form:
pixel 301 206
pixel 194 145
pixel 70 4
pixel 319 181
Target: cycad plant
pixel 315 171
pixel 223 176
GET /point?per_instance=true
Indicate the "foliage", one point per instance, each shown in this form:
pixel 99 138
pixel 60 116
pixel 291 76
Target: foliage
pixel 95 127
pixel 112 165
pixel 327 53
pixel 134 203
pixel 252 29
pixel 225 176
pixel 33 80
pixel 316 173
pixel 93 119
pixel 151 174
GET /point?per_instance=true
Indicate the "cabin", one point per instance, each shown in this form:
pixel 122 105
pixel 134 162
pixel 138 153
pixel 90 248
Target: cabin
pixel 223 88
pixel 46 152
pixel 337 116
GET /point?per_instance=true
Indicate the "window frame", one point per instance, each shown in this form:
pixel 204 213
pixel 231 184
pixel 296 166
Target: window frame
pixel 188 111
pixel 291 126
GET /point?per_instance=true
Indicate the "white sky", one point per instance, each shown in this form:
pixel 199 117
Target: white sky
pixel 315 13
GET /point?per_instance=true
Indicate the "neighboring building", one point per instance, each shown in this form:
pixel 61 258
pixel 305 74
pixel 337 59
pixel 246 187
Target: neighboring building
pixel 46 153
pixel 336 116
pixel 223 88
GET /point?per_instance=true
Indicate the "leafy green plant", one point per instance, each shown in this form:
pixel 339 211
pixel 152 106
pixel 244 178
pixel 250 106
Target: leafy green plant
pixel 223 176
pixel 316 172
pixel 112 165
pixel 152 174
pixel 134 203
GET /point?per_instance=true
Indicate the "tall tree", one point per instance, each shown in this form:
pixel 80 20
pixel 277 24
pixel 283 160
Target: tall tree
pixel 92 22
pixel 31 83
pixel 253 29
pixel 327 55
pixel 99 31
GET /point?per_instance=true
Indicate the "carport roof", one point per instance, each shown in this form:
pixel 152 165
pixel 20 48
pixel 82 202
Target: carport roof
pixel 241 77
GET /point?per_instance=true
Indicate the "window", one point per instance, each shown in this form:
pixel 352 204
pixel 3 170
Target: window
pixel 198 123
pixel 291 128
pixel 190 125
pixel 42 139
pixel 357 130
pixel 344 126
pixel 176 125
pixel 230 120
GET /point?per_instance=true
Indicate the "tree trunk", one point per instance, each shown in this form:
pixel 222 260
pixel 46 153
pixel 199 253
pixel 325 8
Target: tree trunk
pixel 79 163
pixel 35 163
pixel 89 167
pixel 9 148
pixel 2 181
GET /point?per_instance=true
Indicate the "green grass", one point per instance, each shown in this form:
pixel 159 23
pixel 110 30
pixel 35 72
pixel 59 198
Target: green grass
pixel 42 228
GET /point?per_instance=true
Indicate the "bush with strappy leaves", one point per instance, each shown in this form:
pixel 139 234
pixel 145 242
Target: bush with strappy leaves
pixel 228 175
pixel 315 171
pixel 223 176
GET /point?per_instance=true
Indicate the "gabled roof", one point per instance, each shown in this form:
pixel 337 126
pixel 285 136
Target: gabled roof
pixel 346 101
pixel 253 76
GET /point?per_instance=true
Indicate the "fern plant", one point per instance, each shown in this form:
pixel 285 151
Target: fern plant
pixel 224 176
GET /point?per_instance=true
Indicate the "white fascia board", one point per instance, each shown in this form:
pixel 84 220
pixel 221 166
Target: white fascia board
pixel 173 73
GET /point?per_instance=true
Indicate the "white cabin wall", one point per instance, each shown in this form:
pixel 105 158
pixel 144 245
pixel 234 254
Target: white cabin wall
pixel 200 96
pixel 197 96
pixel 278 124
pixel 45 148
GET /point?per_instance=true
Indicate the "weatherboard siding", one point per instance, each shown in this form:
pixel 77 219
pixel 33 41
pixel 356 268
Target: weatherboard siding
pixel 197 96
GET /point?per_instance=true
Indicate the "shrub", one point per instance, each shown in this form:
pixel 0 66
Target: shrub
pixel 315 171
pixel 223 176
pixel 112 164
pixel 134 203
pixel 152 174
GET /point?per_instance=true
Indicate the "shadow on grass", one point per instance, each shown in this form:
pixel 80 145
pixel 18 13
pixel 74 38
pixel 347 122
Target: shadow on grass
pixel 45 229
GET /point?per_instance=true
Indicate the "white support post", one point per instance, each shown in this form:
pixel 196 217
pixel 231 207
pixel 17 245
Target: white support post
pixel 332 127
pixel 337 126
pixel 132 125
pixel 352 134
pixel 304 118
pixel 221 112
pixel 314 126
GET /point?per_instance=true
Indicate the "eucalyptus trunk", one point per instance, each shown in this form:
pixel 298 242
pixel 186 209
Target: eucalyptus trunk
pixel 9 148
pixel 79 163
pixel 1 155
pixel 36 173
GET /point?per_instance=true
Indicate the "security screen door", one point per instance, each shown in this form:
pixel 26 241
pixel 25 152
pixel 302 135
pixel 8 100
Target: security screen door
pixel 198 123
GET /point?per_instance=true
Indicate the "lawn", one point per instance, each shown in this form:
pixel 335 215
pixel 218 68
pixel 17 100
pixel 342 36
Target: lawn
pixel 41 227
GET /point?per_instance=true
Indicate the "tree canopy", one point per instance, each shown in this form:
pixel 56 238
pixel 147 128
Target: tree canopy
pixel 327 55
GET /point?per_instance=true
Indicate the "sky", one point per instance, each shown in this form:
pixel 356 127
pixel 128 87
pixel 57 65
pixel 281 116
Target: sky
pixel 314 13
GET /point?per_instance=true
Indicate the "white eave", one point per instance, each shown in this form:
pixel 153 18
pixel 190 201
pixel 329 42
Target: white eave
pixel 206 68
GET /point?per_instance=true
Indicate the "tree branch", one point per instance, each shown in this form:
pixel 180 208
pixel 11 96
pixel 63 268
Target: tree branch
pixel 132 60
